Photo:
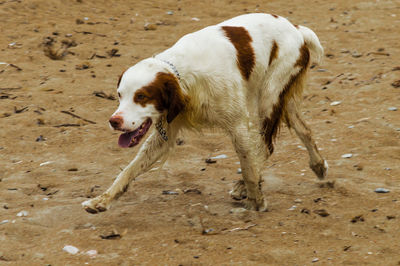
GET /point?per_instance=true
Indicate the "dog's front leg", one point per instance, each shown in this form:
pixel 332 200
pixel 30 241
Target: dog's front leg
pixel 153 149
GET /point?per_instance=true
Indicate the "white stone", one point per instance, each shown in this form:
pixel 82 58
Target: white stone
pixel 222 156
pixel 347 155
pixel 22 214
pixel 71 249
pixel 336 103
pixel 92 253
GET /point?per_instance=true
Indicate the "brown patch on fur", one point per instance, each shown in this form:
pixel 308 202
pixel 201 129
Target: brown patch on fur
pixel 296 26
pixel 164 93
pixel 275 16
pixel 274 52
pixel 241 39
pixel 120 77
pixel 294 86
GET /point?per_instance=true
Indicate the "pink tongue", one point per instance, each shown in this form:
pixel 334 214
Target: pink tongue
pixel 124 140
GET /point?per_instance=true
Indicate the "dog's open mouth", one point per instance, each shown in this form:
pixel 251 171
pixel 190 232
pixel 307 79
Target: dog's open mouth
pixel 132 138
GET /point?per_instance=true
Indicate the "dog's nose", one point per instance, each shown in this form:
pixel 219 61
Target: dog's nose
pixel 116 121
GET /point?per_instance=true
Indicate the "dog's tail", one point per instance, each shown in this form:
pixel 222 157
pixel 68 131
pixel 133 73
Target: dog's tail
pixel 312 42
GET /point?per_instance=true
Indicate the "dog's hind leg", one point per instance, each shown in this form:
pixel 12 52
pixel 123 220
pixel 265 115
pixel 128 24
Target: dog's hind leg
pixel 295 120
pixel 154 148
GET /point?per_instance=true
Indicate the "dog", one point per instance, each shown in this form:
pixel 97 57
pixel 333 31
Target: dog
pixel 245 75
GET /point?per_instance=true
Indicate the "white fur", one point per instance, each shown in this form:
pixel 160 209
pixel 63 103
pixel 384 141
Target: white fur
pixel 219 96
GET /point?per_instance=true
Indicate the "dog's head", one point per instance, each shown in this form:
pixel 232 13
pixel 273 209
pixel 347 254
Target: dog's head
pixel 146 92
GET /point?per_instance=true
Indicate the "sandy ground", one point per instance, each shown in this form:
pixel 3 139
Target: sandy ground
pixel 51 161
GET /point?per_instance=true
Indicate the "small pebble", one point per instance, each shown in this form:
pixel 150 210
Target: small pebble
pixel 168 192
pixel 392 108
pixel 71 249
pixel 298 201
pixel 292 208
pixel 45 163
pixel 239 170
pixel 315 260
pixel 222 156
pixel 238 210
pixel 150 26
pixel 347 155
pixel 195 19
pixel 336 103
pixel 92 253
pixel 4 222
pixel 170 12
pixel 382 190
pixel 22 214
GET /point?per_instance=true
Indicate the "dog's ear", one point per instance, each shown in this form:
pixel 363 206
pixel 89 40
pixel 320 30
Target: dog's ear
pixel 175 101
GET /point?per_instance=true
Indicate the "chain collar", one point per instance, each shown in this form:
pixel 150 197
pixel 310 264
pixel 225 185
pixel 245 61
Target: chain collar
pixel 161 130
pixel 172 67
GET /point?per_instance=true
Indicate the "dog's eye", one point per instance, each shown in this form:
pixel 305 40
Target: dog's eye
pixel 119 95
pixel 140 97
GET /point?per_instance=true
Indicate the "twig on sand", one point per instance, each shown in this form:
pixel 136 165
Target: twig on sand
pixel 77 116
pixel 242 228
pixel 68 125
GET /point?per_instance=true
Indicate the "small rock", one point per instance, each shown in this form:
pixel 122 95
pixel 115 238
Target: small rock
pixel 382 190
pixel 92 253
pixel 336 103
pixel 73 169
pixel 22 214
pixel 150 26
pixel 239 170
pixel 210 161
pixel 82 66
pixel 207 231
pixel 4 222
pixel 322 212
pixel 347 155
pixel 358 218
pixel 396 84
pixel 45 163
pixel 195 19
pixel 222 156
pixel 356 54
pixel 315 260
pixel 380 228
pixel 392 108
pixel 192 190
pixel 71 249
pixel 238 210
pixel 292 208
pixel 305 210
pixel 169 192
pixel 298 201
pixel 170 13
pixel 390 217
pixel 40 138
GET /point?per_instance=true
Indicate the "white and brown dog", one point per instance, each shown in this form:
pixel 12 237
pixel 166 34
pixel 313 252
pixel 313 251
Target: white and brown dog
pixel 245 75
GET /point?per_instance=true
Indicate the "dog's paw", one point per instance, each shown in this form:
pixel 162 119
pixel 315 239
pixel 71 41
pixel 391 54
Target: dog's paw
pixel 98 204
pixel 256 205
pixel 320 169
pixel 239 191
